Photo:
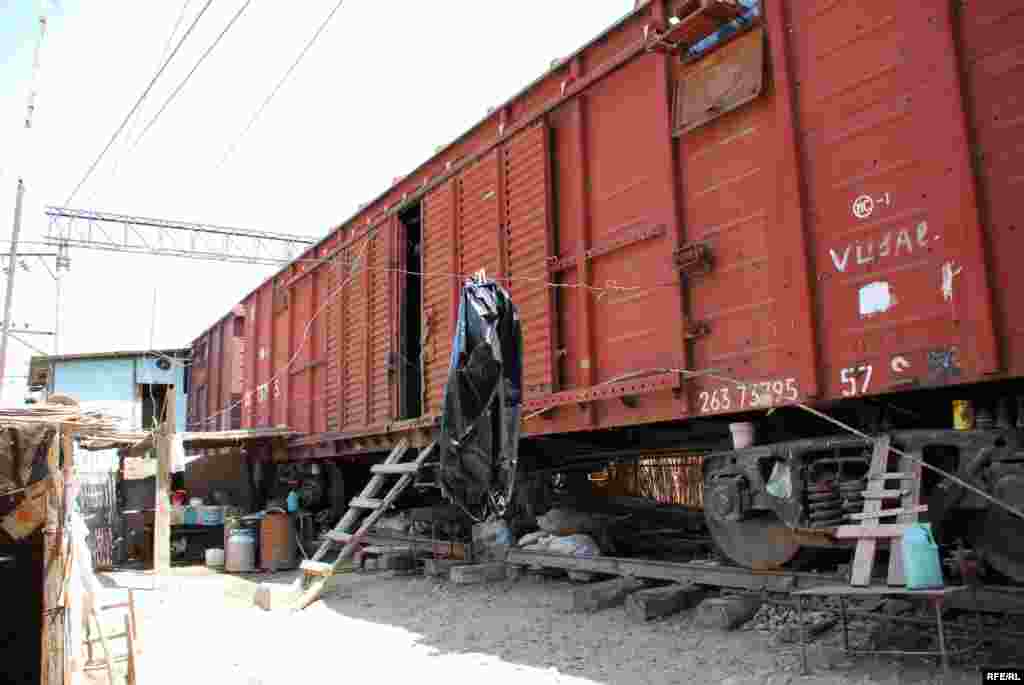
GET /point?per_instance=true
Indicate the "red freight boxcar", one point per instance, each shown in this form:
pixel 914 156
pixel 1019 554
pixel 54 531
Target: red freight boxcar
pixel 817 198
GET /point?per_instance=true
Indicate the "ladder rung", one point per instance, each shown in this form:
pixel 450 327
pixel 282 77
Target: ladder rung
pixel 920 509
pixel 869 532
pixel 365 503
pixel 340 537
pixel 884 494
pixel 317 568
pixel 394 469
pixel 890 476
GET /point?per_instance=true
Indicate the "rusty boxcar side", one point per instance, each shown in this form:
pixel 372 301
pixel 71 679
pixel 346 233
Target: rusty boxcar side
pixel 216 375
pixel 822 205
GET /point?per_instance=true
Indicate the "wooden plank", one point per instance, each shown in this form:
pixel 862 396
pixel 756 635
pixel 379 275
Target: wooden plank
pixel 317 568
pixel 878 531
pixel 898 475
pixel 886 494
pixel 394 469
pixel 366 503
pixel 920 509
pixel 864 556
pixel 162 518
pixel 702 573
pixel 644 605
pixel 911 499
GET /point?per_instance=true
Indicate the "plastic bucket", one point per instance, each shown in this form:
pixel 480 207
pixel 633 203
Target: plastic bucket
pixel 742 435
pixel 921 563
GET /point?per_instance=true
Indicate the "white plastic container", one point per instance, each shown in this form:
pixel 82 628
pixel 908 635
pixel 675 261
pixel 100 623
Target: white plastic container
pixel 742 435
pixel 215 558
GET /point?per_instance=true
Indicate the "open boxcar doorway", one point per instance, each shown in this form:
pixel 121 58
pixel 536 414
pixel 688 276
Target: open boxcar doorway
pixel 410 361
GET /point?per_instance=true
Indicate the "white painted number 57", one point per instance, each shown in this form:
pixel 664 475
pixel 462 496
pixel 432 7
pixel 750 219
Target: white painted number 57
pixel 855 380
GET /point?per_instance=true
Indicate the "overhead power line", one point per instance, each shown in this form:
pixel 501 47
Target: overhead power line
pixel 273 93
pixel 138 103
pixel 133 126
pixel 184 81
pixel 26 343
pixel 177 25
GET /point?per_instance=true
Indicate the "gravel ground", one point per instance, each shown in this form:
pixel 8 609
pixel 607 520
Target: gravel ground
pixel 202 627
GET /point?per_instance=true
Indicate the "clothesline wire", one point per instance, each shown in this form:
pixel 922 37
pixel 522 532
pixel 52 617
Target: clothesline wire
pixel 359 266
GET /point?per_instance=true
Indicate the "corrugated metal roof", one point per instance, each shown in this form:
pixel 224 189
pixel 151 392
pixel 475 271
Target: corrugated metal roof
pixel 42 359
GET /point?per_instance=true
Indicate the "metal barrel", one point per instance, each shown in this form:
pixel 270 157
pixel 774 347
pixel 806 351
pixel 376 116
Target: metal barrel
pixel 240 550
pixel 277 541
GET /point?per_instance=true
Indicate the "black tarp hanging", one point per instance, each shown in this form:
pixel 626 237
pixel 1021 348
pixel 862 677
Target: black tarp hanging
pixel 479 440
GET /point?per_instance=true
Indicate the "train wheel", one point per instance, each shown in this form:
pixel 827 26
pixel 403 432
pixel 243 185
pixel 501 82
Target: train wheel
pixel 998 540
pixel 762 542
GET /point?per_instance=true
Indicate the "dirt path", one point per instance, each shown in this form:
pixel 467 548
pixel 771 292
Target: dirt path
pixel 203 628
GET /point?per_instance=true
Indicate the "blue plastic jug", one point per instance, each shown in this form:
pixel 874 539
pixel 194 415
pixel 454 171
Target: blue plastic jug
pixel 921 564
pixel 293 502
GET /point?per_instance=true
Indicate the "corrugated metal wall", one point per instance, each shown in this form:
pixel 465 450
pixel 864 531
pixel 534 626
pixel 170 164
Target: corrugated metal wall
pixel 803 161
pixel 440 260
pixel 529 247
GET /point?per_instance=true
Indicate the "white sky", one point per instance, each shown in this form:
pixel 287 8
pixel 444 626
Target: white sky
pixel 384 85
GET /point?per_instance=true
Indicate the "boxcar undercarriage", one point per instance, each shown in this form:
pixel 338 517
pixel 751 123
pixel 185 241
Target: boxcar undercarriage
pixel 778 503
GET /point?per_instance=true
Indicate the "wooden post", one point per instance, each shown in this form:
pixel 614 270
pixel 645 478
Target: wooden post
pixel 162 520
pixel 72 605
pixel 52 667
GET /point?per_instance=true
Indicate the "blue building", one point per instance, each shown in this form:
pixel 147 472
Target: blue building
pixel 129 385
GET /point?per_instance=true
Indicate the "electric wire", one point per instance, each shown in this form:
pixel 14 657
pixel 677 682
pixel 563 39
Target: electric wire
pixel 304 339
pixel 185 81
pixel 133 125
pixel 138 103
pixel 273 93
pixel 177 25
pixel 26 343
pixel 688 373
pixel 597 290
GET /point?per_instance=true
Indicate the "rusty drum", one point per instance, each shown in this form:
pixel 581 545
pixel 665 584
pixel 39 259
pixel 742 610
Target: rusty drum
pixel 277 541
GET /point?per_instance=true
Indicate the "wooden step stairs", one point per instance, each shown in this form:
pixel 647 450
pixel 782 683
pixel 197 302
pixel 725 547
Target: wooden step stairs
pixel 869 530
pixel 362 514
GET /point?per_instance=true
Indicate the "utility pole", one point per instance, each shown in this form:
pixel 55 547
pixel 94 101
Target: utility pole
pixel 165 449
pixel 11 272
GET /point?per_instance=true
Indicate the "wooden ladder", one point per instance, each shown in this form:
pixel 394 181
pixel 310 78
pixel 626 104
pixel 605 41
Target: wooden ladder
pixel 870 531
pixel 316 573
pixel 130 635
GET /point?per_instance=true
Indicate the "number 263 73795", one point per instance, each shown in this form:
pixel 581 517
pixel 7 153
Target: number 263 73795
pixel 748 396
